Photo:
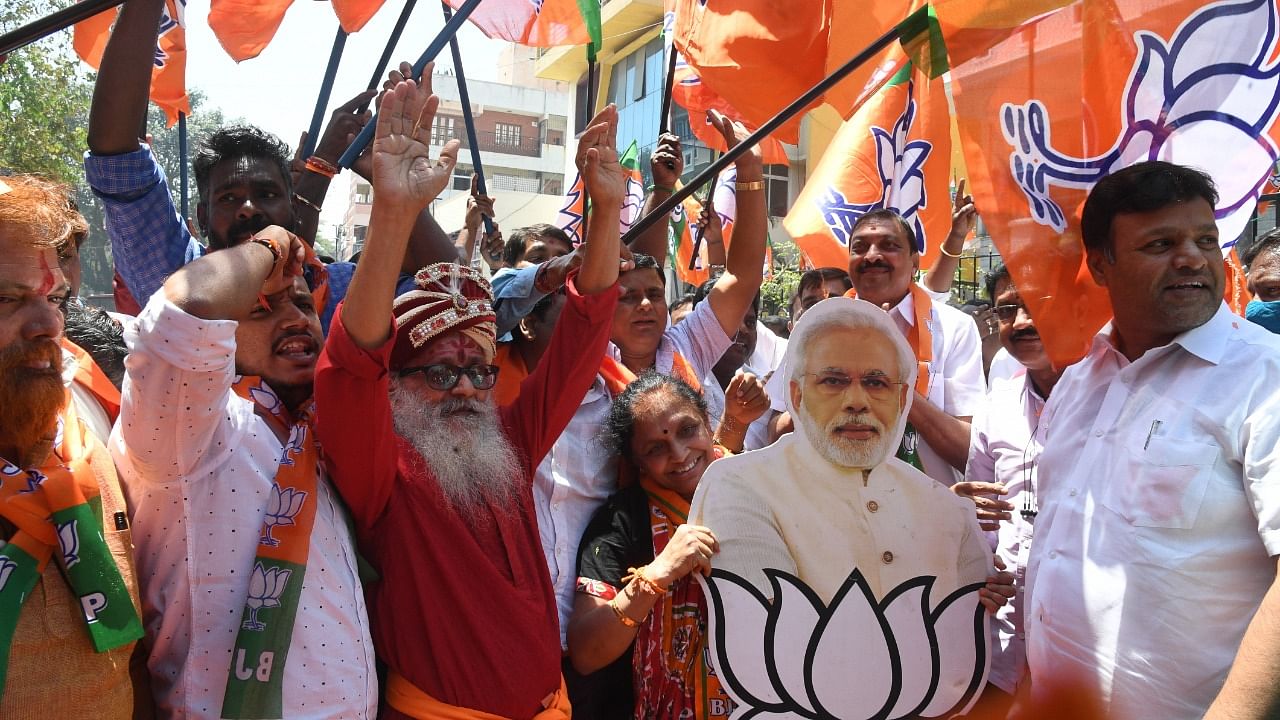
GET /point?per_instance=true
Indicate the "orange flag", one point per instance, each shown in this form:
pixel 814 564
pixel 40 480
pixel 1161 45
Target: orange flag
pixel 354 14
pixel 245 27
pixel 169 76
pixel 536 23
pixel 1072 96
pixel 690 269
pixel 895 152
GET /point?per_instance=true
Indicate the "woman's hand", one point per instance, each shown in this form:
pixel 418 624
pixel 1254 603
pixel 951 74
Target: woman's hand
pixel 690 549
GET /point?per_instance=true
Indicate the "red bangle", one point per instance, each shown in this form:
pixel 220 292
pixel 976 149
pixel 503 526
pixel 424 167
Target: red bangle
pixel 320 166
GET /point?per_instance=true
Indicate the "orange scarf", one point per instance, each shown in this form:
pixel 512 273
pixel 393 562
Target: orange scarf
pixel 618 376
pixel 91 378
pixel 920 338
pixel 407 698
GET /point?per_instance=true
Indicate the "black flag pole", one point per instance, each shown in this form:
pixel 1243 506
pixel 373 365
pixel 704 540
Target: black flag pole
pixel 390 47
pixel 799 104
pixel 591 113
pixel 437 44
pixel 665 117
pixel 52 23
pixel 700 230
pixel 468 119
pixel 182 164
pixel 326 89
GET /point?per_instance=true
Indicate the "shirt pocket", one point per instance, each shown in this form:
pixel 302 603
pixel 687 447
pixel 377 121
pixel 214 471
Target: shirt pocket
pixel 1165 484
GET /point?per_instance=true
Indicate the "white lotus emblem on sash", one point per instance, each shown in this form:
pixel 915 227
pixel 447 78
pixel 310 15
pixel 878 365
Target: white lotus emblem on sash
pixel 69 540
pixel 281 510
pixel 7 567
pixel 265 588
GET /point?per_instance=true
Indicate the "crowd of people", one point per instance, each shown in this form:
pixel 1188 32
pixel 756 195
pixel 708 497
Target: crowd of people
pixel 414 486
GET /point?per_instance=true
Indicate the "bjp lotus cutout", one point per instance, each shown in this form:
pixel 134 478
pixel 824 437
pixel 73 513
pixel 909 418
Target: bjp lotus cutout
pixel 848 583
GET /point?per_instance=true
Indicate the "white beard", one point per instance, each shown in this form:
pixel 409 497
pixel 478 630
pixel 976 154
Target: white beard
pixel 469 454
pixel 864 454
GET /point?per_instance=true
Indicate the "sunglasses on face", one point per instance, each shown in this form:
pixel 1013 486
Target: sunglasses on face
pixel 1007 313
pixel 446 377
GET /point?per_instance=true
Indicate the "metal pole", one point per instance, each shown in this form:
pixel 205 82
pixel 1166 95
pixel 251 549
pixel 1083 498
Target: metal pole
pixel 326 89
pixel 390 47
pixel 665 117
pixel 52 23
pixel 182 164
pixel 773 124
pixel 467 118
pixel 449 30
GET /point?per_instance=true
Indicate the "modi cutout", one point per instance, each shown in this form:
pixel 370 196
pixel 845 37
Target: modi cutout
pixel 838 561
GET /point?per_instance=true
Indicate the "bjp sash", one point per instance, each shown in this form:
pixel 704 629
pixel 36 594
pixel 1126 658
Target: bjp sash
pixel 256 676
pixel 58 507
pixel 920 338
pixel 618 376
pixel 670 661
pixel 407 698
pixel 89 376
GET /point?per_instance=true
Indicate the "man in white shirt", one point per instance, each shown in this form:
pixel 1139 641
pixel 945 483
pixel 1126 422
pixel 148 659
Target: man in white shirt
pixel 251 598
pixel 1001 474
pixel 1152 579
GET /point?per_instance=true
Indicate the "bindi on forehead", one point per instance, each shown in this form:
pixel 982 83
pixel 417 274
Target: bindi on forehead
pixel 454 347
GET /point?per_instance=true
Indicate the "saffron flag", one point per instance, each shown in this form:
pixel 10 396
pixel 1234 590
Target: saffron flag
pixel 1072 96
pixel 570 217
pixel 895 152
pixel 690 268
pixel 724 200
pixel 690 93
pixel 169 76
pixel 539 23
pixel 245 27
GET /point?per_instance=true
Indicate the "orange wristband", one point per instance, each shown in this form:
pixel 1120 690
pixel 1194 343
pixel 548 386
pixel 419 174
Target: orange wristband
pixel 320 166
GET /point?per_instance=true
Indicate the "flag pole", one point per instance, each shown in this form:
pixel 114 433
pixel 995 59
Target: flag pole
pixel 468 119
pixel 52 23
pixel 437 44
pixel 182 163
pixel 326 89
pixel 389 48
pixel 799 104
pixel 665 117
pixel 700 230
pixel 591 112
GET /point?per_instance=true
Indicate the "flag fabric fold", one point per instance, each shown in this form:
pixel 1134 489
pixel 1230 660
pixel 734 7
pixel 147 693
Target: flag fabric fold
pixel 539 23
pixel 168 76
pixel 244 28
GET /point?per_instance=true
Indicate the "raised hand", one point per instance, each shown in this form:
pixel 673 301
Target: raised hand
pixel 964 214
pixel 597 160
pixel 403 174
pixel 344 125
pixel 666 163
pixel 745 400
pixel 733 133
pixel 293 255
pixel 689 549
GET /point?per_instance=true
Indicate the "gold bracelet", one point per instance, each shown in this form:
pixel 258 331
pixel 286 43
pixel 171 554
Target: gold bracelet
pixel 622 617
pixel 306 202
pixel 943 249
pixel 748 186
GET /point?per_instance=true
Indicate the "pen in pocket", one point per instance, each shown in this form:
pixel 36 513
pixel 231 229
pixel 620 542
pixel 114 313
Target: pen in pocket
pixel 1155 427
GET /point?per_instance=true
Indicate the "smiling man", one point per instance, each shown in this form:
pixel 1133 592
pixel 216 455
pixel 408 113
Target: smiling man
pixel 251 599
pixel 1159 481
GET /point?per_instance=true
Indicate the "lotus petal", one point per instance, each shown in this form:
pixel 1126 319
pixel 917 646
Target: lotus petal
pixel 792 620
pixel 960 627
pixel 278 581
pixel 1146 99
pixel 257 582
pixel 275 502
pixel 1202 37
pixel 851 673
pixel 738 613
pixel 1238 174
pixel 906 609
pixel 1250 99
pixel 295 502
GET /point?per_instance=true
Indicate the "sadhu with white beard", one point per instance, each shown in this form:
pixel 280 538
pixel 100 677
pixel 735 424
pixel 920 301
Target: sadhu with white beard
pixel 438 479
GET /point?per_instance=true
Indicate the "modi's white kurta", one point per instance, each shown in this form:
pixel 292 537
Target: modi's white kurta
pixel 786 508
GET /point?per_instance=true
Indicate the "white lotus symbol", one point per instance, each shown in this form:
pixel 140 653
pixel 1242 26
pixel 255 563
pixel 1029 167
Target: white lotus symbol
pixel 856 658
pixel 266 399
pixel 69 540
pixel 297 438
pixel 1206 99
pixel 265 588
pixel 283 507
pixel 7 567
pixel 901 167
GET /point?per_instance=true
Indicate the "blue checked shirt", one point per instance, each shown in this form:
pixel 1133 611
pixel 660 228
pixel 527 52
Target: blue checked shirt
pixel 149 240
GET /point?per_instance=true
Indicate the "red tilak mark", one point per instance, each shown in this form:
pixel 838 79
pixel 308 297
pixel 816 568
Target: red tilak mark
pixel 47 279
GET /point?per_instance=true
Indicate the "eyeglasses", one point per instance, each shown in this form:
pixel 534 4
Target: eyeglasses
pixel 876 385
pixel 1009 312
pixel 446 377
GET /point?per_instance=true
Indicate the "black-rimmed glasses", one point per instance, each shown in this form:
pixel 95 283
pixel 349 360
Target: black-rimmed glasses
pixel 446 377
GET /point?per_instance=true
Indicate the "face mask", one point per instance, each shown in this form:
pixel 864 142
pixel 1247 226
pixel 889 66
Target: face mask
pixel 1266 314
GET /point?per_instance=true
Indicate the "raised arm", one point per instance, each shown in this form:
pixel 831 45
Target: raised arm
pixel 405 182
pixel 734 292
pixel 666 165
pixel 226 285
pixel 119 110
pixel 310 186
pixel 597 160
pixel 942 273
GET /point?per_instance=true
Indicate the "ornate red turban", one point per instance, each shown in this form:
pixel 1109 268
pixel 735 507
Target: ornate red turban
pixel 448 297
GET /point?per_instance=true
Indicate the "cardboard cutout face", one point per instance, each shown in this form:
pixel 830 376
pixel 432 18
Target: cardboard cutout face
pixel 844 587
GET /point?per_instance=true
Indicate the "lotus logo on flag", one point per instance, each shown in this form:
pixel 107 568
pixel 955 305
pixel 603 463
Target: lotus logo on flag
pixel 7 567
pixel 34 479
pixel 264 397
pixel 1210 87
pixel 856 658
pixel 281 510
pixel 297 437
pixel 900 164
pixel 69 541
pixel 265 588
pixel 167 23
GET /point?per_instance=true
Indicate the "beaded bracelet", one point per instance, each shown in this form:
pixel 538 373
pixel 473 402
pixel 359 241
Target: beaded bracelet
pixel 622 617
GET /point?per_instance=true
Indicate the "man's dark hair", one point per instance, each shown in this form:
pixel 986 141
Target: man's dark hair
pixel 233 143
pixel 1268 242
pixel 817 277
pixel 1139 188
pixel 99 335
pixel 688 298
pixel 887 215
pixel 705 289
pixel 994 276
pixel 620 425
pixel 513 251
pixel 648 262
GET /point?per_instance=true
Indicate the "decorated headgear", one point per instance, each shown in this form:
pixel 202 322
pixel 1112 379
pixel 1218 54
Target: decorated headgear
pixel 448 297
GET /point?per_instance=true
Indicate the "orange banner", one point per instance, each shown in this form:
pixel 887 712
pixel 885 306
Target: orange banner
pixel 169 77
